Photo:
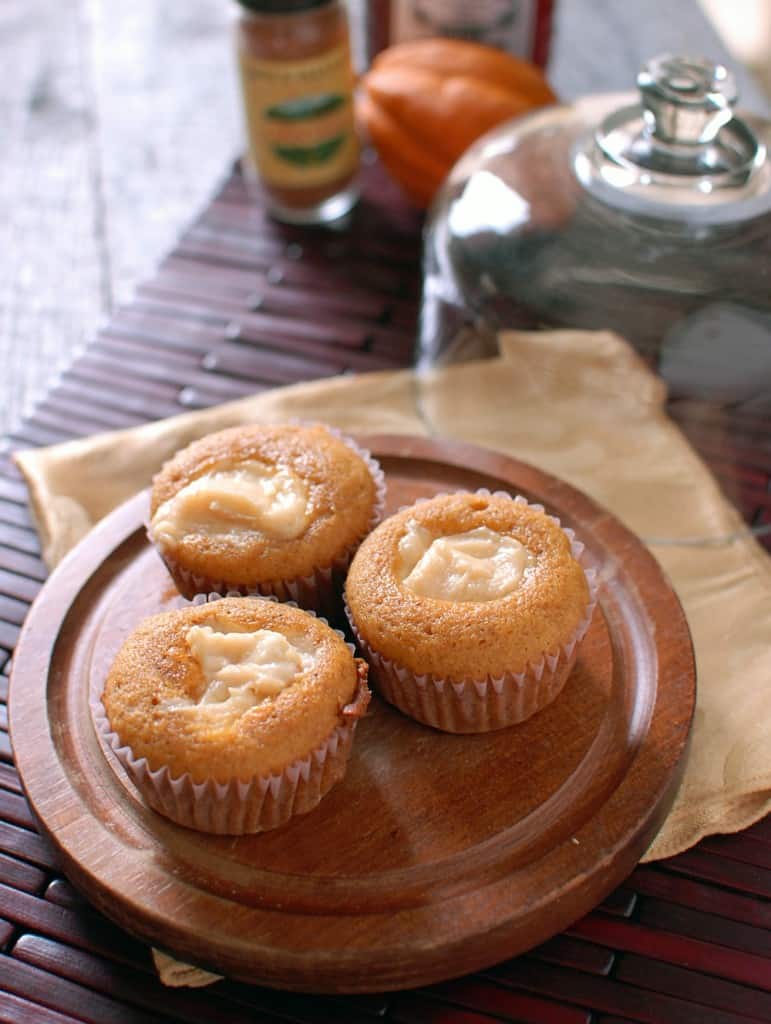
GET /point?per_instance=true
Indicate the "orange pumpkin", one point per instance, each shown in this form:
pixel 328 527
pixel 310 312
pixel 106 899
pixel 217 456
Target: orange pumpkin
pixel 424 102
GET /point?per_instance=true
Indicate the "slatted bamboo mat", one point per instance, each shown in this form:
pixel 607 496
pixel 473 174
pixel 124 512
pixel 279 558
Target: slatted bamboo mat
pixel 241 305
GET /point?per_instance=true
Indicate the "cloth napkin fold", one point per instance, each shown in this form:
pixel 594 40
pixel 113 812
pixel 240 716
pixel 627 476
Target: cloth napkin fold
pixel 582 406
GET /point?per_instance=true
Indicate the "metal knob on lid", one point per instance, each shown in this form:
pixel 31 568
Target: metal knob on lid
pixel 679 152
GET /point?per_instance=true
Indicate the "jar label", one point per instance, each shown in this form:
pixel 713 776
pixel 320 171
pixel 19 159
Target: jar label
pixel 299 117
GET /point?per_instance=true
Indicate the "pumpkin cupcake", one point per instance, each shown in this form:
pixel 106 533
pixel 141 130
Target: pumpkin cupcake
pixel 232 716
pixel 273 510
pixel 469 609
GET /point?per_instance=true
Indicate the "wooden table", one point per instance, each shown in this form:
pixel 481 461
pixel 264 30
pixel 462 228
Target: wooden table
pixel 684 940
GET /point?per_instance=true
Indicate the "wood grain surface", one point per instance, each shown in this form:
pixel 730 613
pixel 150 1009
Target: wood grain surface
pixel 437 854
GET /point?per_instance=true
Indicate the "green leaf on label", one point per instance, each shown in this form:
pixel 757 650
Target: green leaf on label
pixel 309 156
pixel 305 107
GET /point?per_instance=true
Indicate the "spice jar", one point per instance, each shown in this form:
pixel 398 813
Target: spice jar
pixel 296 78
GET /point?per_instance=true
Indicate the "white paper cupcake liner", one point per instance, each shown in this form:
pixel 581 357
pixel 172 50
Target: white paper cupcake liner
pixel 318 591
pixel 236 807
pixel 490 702
pixel 241 807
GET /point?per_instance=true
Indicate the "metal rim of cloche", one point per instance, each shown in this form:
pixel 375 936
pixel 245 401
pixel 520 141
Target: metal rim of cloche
pixel 680 153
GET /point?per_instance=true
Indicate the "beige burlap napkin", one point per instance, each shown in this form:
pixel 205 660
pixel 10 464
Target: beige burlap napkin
pixel 580 405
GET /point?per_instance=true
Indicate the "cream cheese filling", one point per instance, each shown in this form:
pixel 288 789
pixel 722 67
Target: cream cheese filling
pixel 478 565
pixel 243 669
pixel 252 497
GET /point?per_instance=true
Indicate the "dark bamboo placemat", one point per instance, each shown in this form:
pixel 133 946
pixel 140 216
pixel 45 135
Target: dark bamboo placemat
pixel 240 305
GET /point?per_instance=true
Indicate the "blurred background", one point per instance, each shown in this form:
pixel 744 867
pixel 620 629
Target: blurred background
pixel 745 26
pixel 117 120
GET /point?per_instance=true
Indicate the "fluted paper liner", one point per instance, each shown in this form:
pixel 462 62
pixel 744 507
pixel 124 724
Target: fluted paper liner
pixel 320 590
pixel 491 702
pixel 241 807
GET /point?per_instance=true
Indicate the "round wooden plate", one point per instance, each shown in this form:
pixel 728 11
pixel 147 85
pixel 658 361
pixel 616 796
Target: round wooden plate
pixel 437 854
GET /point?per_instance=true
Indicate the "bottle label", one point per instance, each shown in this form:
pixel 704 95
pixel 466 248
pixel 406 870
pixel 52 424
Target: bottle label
pixel 299 117
pixel 507 24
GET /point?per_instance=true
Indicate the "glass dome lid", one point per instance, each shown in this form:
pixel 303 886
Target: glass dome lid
pixel 617 211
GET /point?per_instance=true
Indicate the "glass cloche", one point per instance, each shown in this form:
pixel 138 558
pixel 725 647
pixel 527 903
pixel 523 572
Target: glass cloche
pixel 649 215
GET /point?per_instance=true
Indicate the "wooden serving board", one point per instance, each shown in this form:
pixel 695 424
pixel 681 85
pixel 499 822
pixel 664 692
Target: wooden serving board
pixel 436 855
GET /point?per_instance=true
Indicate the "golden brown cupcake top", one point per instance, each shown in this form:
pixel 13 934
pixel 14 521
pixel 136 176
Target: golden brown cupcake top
pixel 262 502
pixel 231 689
pixel 466 586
